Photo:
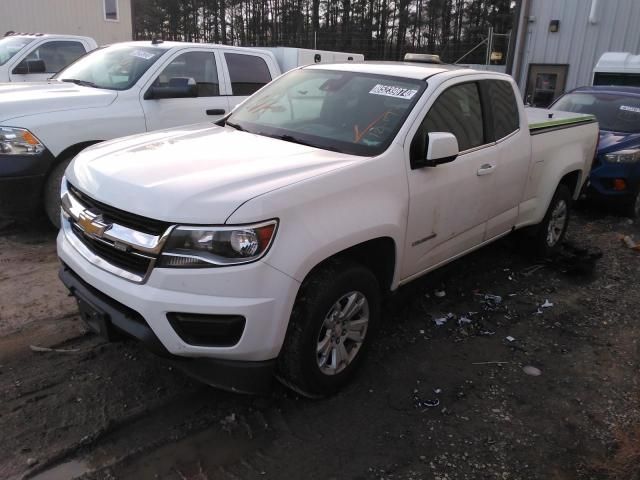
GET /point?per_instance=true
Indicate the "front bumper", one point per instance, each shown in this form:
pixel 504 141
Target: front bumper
pixel 237 376
pixel 22 180
pixel 603 177
pixel 261 294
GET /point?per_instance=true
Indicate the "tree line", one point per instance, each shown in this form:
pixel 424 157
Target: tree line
pixel 380 29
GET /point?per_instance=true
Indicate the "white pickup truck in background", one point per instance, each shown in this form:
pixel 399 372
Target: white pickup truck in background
pixel 120 90
pixel 264 244
pixel 34 57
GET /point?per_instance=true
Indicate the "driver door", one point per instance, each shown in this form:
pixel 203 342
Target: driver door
pixel 450 203
pixel 193 66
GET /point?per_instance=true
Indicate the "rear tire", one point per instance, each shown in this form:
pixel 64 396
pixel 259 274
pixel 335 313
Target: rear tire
pixel 333 320
pixel 550 233
pixel 52 192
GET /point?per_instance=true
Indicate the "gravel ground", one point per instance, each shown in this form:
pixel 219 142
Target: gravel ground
pixel 503 389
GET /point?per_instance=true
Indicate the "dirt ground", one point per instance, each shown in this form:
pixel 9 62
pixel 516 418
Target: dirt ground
pixel 450 401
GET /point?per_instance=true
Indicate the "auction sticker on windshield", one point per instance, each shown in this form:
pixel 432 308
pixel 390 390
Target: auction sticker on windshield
pixel 392 91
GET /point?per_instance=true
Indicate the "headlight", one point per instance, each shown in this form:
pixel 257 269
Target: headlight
pixel 18 141
pixel 191 247
pixel 623 156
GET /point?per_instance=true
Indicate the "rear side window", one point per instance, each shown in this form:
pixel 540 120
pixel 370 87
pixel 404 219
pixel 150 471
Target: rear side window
pixel 458 111
pixel 57 55
pixel 506 118
pixel 248 73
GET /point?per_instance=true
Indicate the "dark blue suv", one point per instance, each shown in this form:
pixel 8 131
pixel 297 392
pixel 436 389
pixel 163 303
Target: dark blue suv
pixel 615 175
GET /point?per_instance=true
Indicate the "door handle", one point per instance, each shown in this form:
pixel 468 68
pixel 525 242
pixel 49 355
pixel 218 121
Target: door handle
pixel 216 111
pixel 486 169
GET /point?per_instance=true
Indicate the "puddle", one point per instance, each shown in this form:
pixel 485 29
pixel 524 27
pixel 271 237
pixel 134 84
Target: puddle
pixel 63 471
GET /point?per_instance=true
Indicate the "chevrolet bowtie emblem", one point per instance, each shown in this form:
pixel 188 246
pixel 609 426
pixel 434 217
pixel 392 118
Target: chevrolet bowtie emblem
pixel 92 224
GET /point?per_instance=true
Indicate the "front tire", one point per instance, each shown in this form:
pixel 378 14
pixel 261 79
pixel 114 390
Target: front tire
pixel 333 320
pixel 52 192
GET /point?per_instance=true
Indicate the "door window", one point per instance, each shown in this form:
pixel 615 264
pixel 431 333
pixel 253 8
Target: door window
pixel 506 118
pixel 56 55
pixel 190 67
pixel 248 73
pixel 458 111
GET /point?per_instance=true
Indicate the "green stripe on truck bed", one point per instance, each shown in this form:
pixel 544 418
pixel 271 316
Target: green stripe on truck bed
pixel 562 122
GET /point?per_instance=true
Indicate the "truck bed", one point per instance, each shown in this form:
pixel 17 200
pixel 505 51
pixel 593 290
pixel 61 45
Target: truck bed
pixel 542 120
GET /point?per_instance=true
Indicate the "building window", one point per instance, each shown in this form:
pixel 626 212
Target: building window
pixel 111 10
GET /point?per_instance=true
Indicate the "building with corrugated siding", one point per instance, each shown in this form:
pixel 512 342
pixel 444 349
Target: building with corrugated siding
pixel 560 41
pixel 107 21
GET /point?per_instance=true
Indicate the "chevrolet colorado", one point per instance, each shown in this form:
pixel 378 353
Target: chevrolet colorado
pixel 263 245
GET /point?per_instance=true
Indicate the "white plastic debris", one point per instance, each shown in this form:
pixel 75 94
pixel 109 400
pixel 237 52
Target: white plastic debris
pixel 510 339
pixel 440 321
pixel 546 304
pixel 531 370
pixel 437 391
pixel 439 293
pixel 421 332
pixel 463 321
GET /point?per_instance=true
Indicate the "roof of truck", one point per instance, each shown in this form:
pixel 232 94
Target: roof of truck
pixel 42 35
pixel 413 70
pixel 166 45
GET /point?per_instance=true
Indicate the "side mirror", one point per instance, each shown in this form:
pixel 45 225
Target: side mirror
pixel 441 147
pixel 30 66
pixel 178 87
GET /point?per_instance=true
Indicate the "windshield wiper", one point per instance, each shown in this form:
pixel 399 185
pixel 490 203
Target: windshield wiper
pixel 84 83
pixel 235 125
pixel 292 139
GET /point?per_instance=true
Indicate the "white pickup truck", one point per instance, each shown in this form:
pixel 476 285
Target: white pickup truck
pixel 120 90
pixel 33 57
pixel 264 244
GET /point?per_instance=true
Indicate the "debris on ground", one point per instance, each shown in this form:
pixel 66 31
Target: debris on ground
pixel 527 272
pixel 439 293
pixel 421 404
pixel 546 304
pixel 510 338
pixel 442 320
pixel 491 302
pixel 531 370
pixel 630 242
pixel 36 348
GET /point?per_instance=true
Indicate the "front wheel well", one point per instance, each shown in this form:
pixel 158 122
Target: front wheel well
pixel 378 255
pixel 73 150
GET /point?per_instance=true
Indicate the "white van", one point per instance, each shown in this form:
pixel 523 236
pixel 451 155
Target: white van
pixel 617 68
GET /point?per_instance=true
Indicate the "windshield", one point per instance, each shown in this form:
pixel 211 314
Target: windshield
pixel 9 46
pixel 355 113
pixel 615 112
pixel 117 67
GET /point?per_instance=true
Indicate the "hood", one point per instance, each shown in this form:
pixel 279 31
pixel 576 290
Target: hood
pixel 614 141
pixel 197 174
pixel 22 99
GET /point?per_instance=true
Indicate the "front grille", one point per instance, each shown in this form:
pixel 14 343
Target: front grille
pixel 115 215
pixel 129 261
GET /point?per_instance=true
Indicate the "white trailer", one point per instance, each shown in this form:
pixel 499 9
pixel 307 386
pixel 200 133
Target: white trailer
pixel 617 68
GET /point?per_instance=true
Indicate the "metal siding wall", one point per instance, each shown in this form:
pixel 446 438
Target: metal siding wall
pixel 72 17
pixel 579 43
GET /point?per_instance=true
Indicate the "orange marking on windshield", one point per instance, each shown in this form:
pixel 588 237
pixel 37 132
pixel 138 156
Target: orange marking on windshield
pixel 358 135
